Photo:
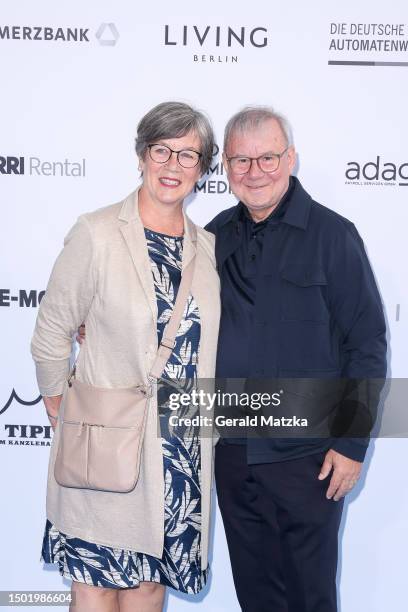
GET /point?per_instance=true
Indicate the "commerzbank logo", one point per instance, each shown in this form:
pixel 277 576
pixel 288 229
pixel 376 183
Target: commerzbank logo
pixel 377 172
pixel 106 34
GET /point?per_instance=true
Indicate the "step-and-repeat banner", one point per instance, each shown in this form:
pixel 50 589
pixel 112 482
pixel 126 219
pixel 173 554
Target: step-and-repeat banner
pixel 75 79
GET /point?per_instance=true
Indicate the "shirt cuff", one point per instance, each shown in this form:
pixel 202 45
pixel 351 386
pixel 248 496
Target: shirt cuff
pixel 353 448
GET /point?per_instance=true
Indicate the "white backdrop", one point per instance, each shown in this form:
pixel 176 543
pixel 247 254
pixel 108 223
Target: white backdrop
pixel 81 100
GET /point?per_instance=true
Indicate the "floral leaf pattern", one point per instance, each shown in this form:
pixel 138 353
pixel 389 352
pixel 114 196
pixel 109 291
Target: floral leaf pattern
pixel 180 565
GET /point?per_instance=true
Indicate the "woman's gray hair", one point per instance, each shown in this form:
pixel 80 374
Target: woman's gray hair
pixel 174 120
pixel 251 117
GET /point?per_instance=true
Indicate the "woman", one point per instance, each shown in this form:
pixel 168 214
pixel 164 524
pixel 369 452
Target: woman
pixel 119 273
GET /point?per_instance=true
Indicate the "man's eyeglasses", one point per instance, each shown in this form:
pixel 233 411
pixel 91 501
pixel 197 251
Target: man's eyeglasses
pixel 187 158
pixel 267 162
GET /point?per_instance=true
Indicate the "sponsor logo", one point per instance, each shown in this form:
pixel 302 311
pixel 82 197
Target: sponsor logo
pixel 368 44
pixel 215 180
pixel 215 40
pixel 106 34
pixel 14 434
pixel 11 165
pixel 18 32
pixel 26 435
pixel 377 173
pixel 24 298
pixel 15 397
pixel 28 431
pixel 35 166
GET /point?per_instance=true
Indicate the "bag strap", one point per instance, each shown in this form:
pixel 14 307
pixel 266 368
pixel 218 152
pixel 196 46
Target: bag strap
pixel 170 331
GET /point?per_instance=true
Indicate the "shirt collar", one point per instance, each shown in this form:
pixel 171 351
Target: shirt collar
pixel 293 209
pixel 276 215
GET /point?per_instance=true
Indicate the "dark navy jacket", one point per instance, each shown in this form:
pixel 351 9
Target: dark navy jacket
pixel 317 314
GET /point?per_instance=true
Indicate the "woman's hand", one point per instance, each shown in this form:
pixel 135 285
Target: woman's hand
pixel 52 405
pixel 81 334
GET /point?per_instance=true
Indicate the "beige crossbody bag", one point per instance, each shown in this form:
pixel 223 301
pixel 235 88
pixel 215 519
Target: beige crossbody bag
pixel 102 429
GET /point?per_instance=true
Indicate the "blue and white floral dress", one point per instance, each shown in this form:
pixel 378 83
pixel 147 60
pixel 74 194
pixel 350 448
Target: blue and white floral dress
pixel 180 565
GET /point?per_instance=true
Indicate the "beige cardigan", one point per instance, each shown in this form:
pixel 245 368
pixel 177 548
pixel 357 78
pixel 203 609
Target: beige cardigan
pixel 103 277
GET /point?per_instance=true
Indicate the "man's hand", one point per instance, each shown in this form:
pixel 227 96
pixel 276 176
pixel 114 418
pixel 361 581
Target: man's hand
pixel 52 405
pixel 81 334
pixel 346 472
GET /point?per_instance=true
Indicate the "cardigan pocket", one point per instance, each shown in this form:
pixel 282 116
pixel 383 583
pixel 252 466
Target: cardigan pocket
pixel 303 294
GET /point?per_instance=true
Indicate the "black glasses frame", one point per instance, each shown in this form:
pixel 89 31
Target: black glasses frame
pixel 252 159
pixel 171 151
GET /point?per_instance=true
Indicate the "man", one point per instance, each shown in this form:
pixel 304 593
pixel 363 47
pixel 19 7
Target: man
pixel 298 300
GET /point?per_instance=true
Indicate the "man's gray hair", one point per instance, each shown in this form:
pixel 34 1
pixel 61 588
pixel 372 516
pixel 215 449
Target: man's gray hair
pixel 174 120
pixel 251 117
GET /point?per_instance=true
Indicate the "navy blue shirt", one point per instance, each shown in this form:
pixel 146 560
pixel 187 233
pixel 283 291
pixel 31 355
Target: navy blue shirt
pixel 307 308
pixel 241 276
